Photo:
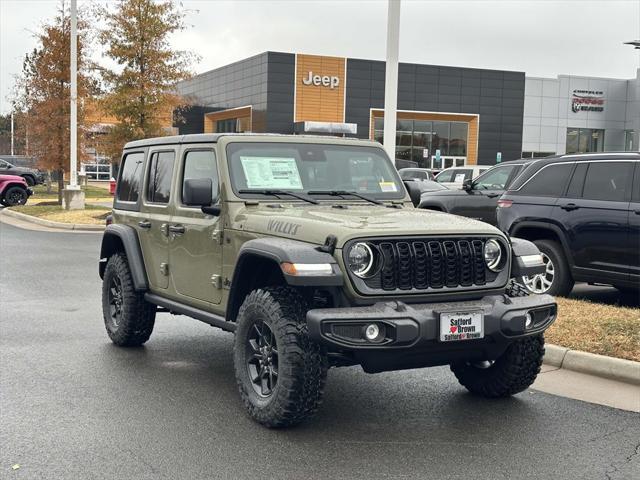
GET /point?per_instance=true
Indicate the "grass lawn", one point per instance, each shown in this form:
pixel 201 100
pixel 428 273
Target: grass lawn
pixel 597 328
pixel 92 214
pixel 91 194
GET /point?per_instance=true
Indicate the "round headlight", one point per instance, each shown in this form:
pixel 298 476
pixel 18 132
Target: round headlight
pixel 493 255
pixel 360 259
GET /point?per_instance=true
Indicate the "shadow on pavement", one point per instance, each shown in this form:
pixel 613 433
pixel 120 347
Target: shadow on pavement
pixel 605 294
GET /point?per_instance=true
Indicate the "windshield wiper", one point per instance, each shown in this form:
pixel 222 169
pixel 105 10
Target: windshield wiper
pixel 277 193
pixel 341 193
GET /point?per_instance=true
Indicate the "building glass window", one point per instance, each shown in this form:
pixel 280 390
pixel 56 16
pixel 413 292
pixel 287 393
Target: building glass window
pixel 628 141
pixel 584 140
pixel 458 139
pixel 440 140
pixel 537 154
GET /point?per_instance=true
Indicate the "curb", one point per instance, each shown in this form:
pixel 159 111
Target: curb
pixel 612 368
pixel 81 227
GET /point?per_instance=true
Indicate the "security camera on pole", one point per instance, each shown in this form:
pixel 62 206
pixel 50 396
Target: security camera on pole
pixel 73 196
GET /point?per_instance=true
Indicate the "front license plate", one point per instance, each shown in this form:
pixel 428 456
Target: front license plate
pixel 455 326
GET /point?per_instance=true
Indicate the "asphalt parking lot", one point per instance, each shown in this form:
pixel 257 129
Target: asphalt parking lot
pixel 75 406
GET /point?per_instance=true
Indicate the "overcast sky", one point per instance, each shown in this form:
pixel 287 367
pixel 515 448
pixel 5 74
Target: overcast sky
pixel 541 38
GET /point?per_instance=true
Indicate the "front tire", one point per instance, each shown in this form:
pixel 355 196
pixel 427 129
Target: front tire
pixel 557 279
pixel 513 372
pixel 15 196
pixel 128 317
pixel 30 180
pixel 279 370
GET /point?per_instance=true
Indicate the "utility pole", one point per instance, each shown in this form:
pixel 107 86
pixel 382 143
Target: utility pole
pixel 12 133
pixel 73 196
pixel 391 78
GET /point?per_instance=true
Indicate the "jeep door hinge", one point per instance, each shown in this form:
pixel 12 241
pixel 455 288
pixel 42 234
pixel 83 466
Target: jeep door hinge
pixel 218 235
pixel 164 269
pixel 216 281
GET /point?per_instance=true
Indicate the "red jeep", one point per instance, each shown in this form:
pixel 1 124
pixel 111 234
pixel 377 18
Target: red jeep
pixel 13 190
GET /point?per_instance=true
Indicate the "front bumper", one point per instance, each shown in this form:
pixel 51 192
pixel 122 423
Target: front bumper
pixel 412 331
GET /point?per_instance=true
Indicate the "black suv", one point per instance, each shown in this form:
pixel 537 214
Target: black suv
pixel 478 198
pixel 583 213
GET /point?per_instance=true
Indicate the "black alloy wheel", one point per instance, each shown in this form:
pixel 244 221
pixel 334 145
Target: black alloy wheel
pixel 262 359
pixel 115 301
pixel 15 196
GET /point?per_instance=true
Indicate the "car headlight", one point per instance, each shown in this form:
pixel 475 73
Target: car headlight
pixel 360 260
pixel 493 255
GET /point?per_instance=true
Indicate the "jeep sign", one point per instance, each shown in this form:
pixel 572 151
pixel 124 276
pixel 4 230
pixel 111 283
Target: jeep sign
pixel 317 80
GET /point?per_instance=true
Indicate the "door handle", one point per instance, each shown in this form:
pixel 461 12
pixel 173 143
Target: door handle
pixel 493 195
pixel 569 206
pixel 177 229
pixel 637 212
pixel 144 224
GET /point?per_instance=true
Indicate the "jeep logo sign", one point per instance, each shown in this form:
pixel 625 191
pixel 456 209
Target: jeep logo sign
pixel 317 80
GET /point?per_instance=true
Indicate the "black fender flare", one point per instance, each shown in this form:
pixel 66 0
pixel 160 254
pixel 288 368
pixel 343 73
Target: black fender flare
pixel 558 231
pixel 522 252
pixel 431 204
pixel 124 237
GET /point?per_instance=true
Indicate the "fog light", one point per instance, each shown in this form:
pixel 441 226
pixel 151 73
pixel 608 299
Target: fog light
pixel 528 320
pixel 372 332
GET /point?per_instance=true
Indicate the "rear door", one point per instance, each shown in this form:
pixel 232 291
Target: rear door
pixel 196 238
pixel 595 215
pixel 156 210
pixel 481 202
pixel 634 227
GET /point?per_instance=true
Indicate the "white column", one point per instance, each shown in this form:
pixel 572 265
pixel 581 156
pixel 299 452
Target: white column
pixel 73 147
pixel 391 78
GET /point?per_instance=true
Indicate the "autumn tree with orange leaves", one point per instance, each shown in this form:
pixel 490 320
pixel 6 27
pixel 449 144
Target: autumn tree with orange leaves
pixel 43 92
pixel 141 88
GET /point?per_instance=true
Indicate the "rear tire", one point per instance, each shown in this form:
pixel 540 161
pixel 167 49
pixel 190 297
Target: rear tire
pixel 271 343
pixel 128 317
pixel 513 372
pixel 558 272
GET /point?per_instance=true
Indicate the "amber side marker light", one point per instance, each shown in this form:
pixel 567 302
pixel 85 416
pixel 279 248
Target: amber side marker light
pixel 306 269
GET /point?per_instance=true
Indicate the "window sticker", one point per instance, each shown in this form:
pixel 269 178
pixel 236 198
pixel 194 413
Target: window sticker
pixel 459 178
pixel 388 187
pixel 271 172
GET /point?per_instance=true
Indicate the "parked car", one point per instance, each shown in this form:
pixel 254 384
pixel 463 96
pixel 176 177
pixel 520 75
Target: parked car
pixel 454 177
pixel 417 174
pixel 31 175
pixel 417 187
pixel 478 198
pixel 14 190
pixel 274 238
pixel 583 213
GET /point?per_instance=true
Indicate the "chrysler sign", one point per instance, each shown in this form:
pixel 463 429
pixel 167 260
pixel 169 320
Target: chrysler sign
pixel 324 80
pixel 587 101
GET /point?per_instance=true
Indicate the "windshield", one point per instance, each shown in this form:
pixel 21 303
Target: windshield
pixel 315 168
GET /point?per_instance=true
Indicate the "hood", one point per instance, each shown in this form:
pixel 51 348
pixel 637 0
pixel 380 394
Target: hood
pixel 12 178
pixel 312 223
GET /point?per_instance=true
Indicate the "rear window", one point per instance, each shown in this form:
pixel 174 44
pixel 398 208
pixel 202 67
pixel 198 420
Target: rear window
pixel 548 182
pixel 130 177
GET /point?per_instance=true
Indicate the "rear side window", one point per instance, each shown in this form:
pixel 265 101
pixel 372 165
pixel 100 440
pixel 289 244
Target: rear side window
pixel 636 184
pixel 608 181
pixel 160 173
pixel 548 182
pixel 130 177
pixel 577 181
pixel 201 164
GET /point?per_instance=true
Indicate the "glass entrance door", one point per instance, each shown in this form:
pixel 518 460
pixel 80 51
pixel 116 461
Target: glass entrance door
pixel 447 162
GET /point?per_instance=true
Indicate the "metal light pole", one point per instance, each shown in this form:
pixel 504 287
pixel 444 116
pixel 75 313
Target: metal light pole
pixel 73 148
pixel 11 132
pixel 391 78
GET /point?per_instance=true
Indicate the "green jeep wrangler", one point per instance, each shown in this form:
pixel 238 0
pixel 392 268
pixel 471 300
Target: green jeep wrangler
pixel 311 252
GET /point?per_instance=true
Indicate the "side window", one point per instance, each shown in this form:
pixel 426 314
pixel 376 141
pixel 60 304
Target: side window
pixel 445 176
pixel 608 181
pixel 494 179
pixel 130 177
pixel 577 181
pixel 548 182
pixel 201 164
pixel 636 184
pixel 160 173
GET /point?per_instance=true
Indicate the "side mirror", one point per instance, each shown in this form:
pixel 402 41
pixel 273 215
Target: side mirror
pixel 467 185
pixel 198 192
pixel 414 192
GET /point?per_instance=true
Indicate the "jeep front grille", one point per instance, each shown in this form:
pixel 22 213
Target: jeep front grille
pixel 426 264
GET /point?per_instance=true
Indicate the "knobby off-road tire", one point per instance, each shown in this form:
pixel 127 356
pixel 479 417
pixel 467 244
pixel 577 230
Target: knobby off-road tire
pixel 299 363
pixel 511 373
pixel 128 317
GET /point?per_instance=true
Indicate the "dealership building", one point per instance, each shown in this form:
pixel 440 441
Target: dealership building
pixel 447 116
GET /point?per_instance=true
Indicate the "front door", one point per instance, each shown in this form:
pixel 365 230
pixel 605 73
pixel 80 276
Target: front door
pixel 634 228
pixel 481 202
pixel 153 226
pixel 196 238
